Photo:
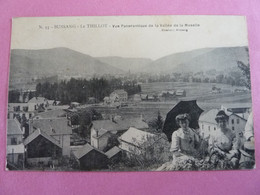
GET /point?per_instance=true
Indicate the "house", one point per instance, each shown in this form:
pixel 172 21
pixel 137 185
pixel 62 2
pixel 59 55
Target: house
pixel 18 109
pixel 180 92
pixel 42 149
pixel 102 130
pixel 74 104
pixel 57 128
pixel 137 98
pixel 237 123
pixel 134 140
pixel 92 100
pixel 15 147
pixel 119 95
pixel 137 142
pixel 114 155
pixel 144 97
pixel 106 100
pixel 38 102
pixel 239 108
pixel 99 138
pixel 208 124
pixel 90 158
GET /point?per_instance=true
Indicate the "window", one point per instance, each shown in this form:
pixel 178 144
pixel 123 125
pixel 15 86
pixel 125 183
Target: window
pixel 233 128
pixel 214 128
pixel 238 121
pixel 202 126
pixel 13 141
pixel 209 128
pixel 232 121
pixel 25 108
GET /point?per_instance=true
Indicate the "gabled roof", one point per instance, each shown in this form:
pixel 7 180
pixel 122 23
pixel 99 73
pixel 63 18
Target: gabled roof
pixel 113 151
pixel 120 124
pixel 37 100
pixel 52 126
pixel 85 150
pixel 137 137
pixel 13 127
pixel 37 133
pixel 209 116
pixel 16 149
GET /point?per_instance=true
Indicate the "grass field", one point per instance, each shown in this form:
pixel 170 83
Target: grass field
pixel 197 91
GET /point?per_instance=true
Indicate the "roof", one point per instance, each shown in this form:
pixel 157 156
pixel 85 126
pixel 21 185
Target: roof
pixel 237 105
pixel 120 124
pixel 51 114
pixel 37 133
pixel 137 137
pixel 13 127
pixel 240 116
pixel 101 132
pixel 37 100
pixel 16 149
pixel 52 126
pixel 209 116
pixel 113 151
pixel 85 150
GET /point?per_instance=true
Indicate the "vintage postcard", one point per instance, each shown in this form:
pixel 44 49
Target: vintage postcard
pixel 130 93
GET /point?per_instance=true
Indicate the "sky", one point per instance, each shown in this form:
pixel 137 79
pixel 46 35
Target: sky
pixel 153 36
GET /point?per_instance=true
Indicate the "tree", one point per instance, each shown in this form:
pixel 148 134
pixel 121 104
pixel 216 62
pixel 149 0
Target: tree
pixel 157 123
pixel 246 73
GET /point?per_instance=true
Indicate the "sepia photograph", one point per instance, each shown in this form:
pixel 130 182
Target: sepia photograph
pixel 129 93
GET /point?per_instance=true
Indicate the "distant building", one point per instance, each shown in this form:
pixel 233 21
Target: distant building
pixel 15 147
pixel 90 158
pixel 119 95
pixel 144 97
pixel 137 98
pixel 74 104
pixel 57 128
pixel 180 92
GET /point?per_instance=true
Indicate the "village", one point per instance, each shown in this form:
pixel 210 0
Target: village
pixel 43 134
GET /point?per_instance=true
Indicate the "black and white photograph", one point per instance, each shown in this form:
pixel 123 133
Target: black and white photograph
pixel 129 93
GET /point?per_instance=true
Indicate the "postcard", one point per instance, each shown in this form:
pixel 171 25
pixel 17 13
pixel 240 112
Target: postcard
pixel 129 93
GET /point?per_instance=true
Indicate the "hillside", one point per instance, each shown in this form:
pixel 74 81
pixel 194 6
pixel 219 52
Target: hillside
pixel 220 59
pixel 46 62
pixel 133 65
